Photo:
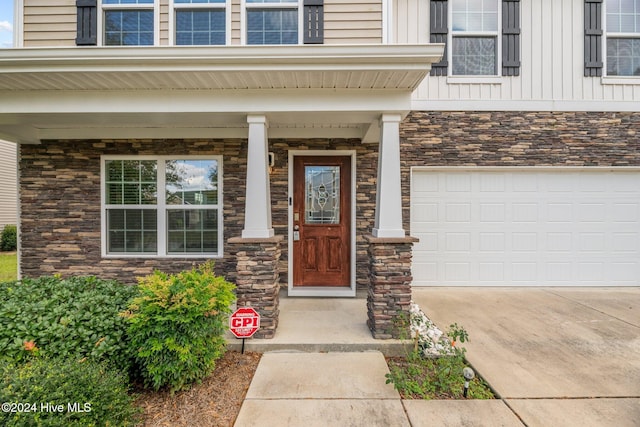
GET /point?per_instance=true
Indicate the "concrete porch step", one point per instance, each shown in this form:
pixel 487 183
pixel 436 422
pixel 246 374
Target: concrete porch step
pixel 321 325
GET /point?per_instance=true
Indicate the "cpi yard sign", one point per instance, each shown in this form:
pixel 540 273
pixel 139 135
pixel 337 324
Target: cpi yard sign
pixel 244 322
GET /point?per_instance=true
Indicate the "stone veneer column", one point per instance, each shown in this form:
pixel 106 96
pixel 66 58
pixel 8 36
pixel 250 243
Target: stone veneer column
pixel 389 293
pixel 257 278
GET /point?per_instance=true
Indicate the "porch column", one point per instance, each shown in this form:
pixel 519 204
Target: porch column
pixel 257 212
pixel 257 252
pixel 389 195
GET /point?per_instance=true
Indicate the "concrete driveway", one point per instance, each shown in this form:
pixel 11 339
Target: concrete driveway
pixel 556 356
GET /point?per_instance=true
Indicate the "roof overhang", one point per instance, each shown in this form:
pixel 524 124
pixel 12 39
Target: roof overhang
pixel 323 90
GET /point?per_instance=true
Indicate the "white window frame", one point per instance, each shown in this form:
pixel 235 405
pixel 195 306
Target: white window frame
pixel 150 6
pixel 161 207
pixel 470 78
pixel 244 5
pixel 614 35
pixel 173 6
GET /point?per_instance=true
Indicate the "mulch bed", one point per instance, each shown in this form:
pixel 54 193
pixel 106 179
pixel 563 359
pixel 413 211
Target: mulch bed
pixel 215 402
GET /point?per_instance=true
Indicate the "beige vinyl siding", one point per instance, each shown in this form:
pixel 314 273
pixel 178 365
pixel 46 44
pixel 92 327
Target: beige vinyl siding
pixel 49 23
pixel 164 22
pixel 236 27
pixel 352 22
pixel 8 184
pixel 552 60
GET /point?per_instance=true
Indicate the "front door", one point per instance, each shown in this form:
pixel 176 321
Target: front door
pixel 321 221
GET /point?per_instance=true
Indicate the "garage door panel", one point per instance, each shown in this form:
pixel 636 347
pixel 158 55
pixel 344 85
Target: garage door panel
pixel 491 272
pixel 523 228
pixel 492 212
pixel 626 242
pixel 457 182
pixel 592 212
pixel 625 212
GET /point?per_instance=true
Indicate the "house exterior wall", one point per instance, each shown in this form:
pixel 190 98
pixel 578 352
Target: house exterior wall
pixel 552 64
pixel 8 184
pixel 60 202
pixel 53 22
pixel 355 21
pixel 49 23
pixel 504 138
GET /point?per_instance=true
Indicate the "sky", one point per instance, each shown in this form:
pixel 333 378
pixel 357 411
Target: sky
pixel 6 24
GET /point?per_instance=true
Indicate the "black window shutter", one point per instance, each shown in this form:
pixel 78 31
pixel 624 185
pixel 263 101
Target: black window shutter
pixel 438 33
pixel 87 22
pixel 313 22
pixel 510 37
pixel 593 38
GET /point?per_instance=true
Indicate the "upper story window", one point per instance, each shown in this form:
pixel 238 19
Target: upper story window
pixel 474 37
pixel 162 206
pixel 200 22
pixel 482 37
pixel 623 37
pixel 272 22
pixel 128 22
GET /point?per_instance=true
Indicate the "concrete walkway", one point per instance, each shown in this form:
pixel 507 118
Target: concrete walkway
pixel 556 357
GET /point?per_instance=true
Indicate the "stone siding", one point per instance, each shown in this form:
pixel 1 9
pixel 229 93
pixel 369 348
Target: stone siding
pixel 507 138
pixel 60 203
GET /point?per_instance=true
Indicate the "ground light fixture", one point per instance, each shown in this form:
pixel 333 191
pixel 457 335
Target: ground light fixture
pixel 468 375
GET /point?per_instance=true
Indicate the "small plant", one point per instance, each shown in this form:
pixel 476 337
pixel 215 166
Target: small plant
pixel 177 326
pixel 433 368
pixel 72 318
pixel 9 238
pixel 60 392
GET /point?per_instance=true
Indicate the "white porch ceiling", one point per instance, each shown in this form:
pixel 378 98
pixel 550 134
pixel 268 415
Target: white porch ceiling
pixel 98 92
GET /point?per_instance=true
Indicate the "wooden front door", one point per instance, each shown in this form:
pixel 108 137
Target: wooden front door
pixel 321 221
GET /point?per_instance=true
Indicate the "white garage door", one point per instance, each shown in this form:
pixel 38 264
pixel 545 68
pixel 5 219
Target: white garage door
pixel 508 227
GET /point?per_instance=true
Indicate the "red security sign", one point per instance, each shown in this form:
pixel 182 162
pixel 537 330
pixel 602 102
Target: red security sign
pixel 244 322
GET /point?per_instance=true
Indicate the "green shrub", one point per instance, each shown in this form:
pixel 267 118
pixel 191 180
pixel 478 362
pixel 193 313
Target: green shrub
pixel 58 392
pixel 71 318
pixel 9 238
pixel 177 326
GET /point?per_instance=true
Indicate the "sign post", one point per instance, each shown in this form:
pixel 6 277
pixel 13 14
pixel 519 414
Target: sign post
pixel 244 322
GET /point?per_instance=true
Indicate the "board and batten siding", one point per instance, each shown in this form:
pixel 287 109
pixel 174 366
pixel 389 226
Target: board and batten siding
pixel 8 184
pixel 552 63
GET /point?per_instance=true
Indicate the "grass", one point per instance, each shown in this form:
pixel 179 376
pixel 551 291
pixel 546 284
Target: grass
pixel 8 266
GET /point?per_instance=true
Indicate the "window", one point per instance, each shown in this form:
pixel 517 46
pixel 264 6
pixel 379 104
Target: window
pixel 272 22
pixel 128 22
pixel 474 37
pixel 623 37
pixel 480 36
pixel 160 206
pixel 200 22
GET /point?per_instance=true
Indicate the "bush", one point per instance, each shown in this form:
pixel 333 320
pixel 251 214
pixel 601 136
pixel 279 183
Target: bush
pixel 9 238
pixel 72 318
pixel 177 326
pixel 88 393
